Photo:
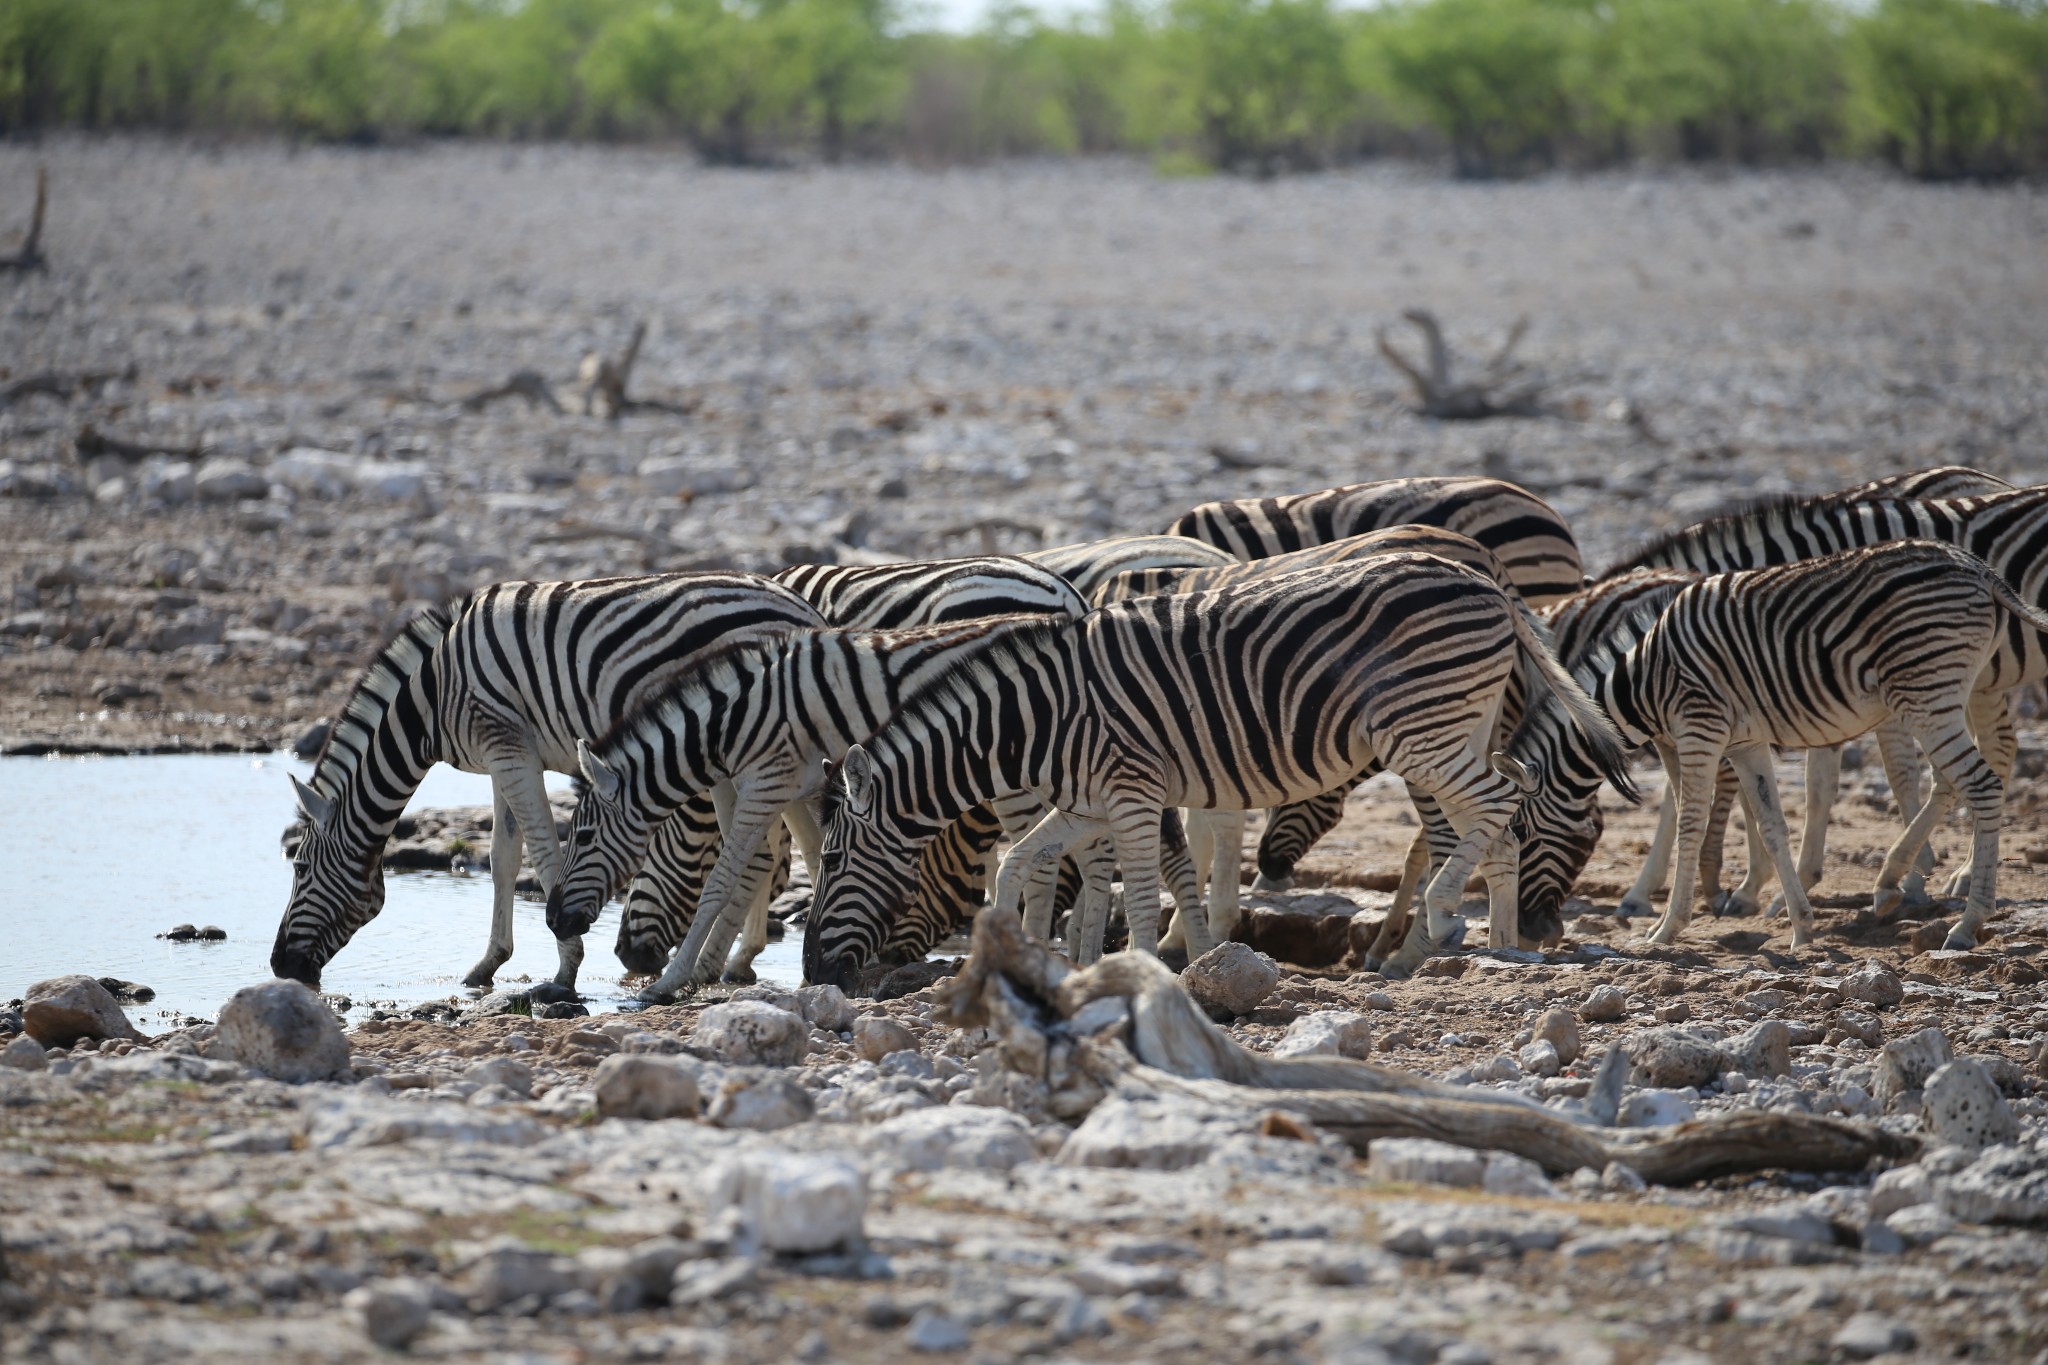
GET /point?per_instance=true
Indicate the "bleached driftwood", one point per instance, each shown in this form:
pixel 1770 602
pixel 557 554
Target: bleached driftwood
pixel 30 256
pixel 601 382
pixel 1504 388
pixel 1040 1008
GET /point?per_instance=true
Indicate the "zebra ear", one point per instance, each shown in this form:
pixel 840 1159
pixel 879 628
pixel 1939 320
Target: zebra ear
pixel 1515 771
pixel 602 779
pixel 315 807
pixel 859 773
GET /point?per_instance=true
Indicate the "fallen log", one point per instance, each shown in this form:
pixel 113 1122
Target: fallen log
pixel 1503 389
pixel 1124 1026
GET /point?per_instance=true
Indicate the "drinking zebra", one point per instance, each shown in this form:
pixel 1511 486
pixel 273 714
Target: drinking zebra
pixel 1808 654
pixel 507 682
pixel 874 597
pixel 1235 699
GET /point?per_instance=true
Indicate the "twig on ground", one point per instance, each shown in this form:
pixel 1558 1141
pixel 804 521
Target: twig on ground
pixel 91 443
pixel 528 384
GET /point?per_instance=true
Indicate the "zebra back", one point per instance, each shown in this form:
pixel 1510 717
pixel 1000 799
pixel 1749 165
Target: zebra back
pixel 1531 539
pixel 1090 564
pixel 933 592
pixel 1942 481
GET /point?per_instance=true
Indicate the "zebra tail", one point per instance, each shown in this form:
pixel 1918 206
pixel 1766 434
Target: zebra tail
pixel 2009 598
pixel 1608 749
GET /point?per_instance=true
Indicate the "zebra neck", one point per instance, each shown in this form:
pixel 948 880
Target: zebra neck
pixel 379 753
pixel 1614 685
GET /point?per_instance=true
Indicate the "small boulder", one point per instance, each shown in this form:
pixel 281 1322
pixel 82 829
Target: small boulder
pixel 1327 1033
pixel 631 1085
pixel 934 1331
pixel 1559 1029
pixel 752 1033
pixel 1866 1335
pixel 1424 1161
pixel 181 933
pixel 875 1036
pixel 1764 1049
pixel 509 1270
pixel 1230 980
pixel 1900 1188
pixel 1904 1064
pixel 761 1103
pixel 1507 1173
pixel 1964 1108
pixel 1538 1058
pixel 516 1077
pixel 2003 1185
pixel 1873 985
pixel 826 1007
pixel 71 1009
pixel 227 480
pixel 957 1135
pixel 791 1202
pixel 1603 1005
pixel 284 1031
pixel 1656 1109
pixel 1670 1058
pixel 393 1312
pixel 24 1054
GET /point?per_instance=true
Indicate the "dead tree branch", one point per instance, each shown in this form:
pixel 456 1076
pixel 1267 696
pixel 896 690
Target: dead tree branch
pixel 1504 388
pixel 30 256
pixel 1153 1040
pixel 604 383
pixel 91 443
pixel 528 384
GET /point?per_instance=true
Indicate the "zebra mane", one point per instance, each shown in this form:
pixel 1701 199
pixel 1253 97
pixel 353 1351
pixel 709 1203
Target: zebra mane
pixel 1651 553
pixel 383 678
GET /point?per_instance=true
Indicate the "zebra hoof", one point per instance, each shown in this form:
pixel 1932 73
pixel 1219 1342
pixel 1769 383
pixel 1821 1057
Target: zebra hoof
pixel 1632 908
pixel 1887 902
pixel 1264 883
pixel 481 978
pixel 739 976
pixel 1959 941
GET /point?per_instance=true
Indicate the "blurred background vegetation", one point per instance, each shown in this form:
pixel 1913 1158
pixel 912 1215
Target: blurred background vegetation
pixel 1940 88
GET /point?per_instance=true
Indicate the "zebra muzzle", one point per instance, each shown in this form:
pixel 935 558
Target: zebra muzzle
pixel 562 923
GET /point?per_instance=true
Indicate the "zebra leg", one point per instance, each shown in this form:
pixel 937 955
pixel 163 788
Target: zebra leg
pixel 525 787
pixel 763 871
pixel 1692 776
pixel 1090 918
pixel 1394 928
pixel 1478 803
pixel 1038 853
pixel 1823 783
pixel 802 822
pixel 1181 871
pixel 1748 896
pixel 745 818
pixel 1134 824
pixel 1767 817
pixel 1226 861
pixel 1711 892
pixel 1991 727
pixel 1980 784
pixel 1201 845
pixel 1901 760
pixel 504 876
pixel 1642 897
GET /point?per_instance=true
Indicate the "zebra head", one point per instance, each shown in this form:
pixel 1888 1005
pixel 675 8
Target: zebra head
pixel 868 876
pixel 1560 821
pixel 607 845
pixel 336 889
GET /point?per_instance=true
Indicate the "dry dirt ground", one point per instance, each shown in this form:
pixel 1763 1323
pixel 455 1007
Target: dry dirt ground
pixel 879 360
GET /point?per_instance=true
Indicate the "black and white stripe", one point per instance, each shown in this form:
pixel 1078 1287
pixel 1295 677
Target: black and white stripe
pixel 507 683
pixel 1235 699
pixel 1090 564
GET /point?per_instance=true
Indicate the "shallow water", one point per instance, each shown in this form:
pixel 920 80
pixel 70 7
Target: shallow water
pixel 100 855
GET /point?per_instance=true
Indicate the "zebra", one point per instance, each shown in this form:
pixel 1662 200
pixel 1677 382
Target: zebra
pixel 765 716
pixel 1089 564
pixel 504 682
pixel 1526 533
pixel 1780 530
pixel 1812 653
pixel 879 597
pixel 1216 838
pixel 1238 698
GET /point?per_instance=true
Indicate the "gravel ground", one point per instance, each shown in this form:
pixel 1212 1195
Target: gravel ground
pixel 886 362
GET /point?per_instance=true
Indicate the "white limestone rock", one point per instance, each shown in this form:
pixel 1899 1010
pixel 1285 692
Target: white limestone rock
pixel 752 1033
pixel 284 1031
pixel 1964 1108
pixel 792 1202
pixel 644 1086
pixel 1424 1161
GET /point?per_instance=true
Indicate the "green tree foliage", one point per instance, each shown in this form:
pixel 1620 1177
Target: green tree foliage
pixel 1942 87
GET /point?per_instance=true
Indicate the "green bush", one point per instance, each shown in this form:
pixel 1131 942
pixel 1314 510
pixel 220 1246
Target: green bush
pixel 1941 87
pixel 1953 87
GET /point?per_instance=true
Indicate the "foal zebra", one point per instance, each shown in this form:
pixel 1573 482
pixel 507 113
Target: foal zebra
pixel 1533 543
pixel 507 684
pixel 1236 699
pixel 1809 654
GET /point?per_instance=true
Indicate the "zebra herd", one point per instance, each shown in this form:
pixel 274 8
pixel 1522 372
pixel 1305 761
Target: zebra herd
pixel 897 722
